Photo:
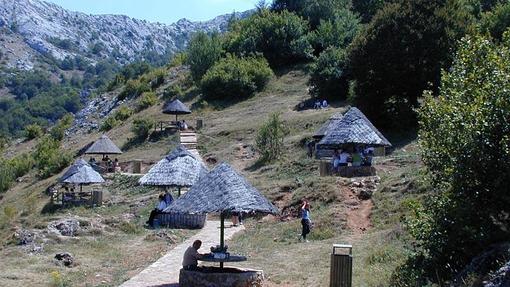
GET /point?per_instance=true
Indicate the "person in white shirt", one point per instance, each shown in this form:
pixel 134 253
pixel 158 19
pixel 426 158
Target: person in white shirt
pixel 159 208
pixel 343 158
pixel 324 104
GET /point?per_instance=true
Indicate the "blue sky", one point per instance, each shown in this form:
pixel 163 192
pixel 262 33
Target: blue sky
pixel 164 11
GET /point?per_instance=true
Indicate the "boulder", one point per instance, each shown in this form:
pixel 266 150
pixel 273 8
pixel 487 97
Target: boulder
pixel 365 194
pixel 24 236
pixel 64 259
pixel 65 227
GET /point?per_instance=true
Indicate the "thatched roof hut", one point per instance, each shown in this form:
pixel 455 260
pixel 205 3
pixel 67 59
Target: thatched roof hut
pixel 179 168
pixel 223 190
pixel 81 173
pixel 321 132
pixel 103 145
pixel 176 107
pixel 353 128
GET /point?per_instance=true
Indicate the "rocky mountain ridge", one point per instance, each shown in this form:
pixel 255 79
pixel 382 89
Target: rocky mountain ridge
pixel 49 30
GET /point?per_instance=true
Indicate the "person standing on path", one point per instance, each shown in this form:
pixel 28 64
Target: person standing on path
pixel 191 256
pixel 306 223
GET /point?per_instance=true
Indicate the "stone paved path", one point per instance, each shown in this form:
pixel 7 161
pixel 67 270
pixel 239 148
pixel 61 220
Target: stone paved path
pixel 165 271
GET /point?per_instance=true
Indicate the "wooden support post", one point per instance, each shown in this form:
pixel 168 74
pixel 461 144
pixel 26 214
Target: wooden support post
pixel 222 234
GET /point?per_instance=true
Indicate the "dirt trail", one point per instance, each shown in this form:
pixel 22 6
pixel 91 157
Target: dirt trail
pixel 357 211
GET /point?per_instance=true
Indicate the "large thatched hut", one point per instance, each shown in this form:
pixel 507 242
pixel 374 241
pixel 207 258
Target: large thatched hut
pixel 178 169
pixel 353 128
pixel 104 146
pixel 176 108
pixel 223 191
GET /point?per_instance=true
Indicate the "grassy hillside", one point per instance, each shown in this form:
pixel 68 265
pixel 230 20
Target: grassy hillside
pixel 114 246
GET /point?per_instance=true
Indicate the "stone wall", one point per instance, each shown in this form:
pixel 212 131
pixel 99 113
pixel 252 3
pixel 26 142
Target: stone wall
pixel 228 277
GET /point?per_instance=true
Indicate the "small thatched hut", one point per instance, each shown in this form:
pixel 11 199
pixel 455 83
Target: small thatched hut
pixel 179 169
pixel 176 108
pixel 353 129
pixel 103 146
pixel 81 173
pixel 223 191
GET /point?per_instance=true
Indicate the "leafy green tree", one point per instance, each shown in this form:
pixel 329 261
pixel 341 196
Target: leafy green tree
pixel 314 11
pixel 367 8
pixel 58 131
pixel 401 52
pixel 335 33
pixel 465 142
pixel 234 78
pixel 328 78
pixel 496 21
pixel 280 37
pixel 202 52
pixel 270 137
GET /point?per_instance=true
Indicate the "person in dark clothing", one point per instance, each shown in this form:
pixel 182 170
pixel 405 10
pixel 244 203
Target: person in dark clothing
pixel 306 223
pixel 311 148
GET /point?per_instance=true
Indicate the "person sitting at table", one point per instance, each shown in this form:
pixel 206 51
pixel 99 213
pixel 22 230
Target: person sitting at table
pixel 324 104
pixel 191 256
pixel 184 125
pixel 160 206
pixel 168 198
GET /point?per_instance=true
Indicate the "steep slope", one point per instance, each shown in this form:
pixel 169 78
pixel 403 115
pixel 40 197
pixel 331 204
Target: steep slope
pixel 49 30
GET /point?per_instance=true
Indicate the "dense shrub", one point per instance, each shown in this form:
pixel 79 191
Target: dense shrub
pixel 21 164
pixel 270 137
pixel 33 131
pixel 49 157
pixel 202 52
pixel 141 128
pixel 6 175
pixel 328 78
pixel 174 91
pixel 234 78
pixel 148 99
pixel 313 10
pixel 464 137
pixel 280 37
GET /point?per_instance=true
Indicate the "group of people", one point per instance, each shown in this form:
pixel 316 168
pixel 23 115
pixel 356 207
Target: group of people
pixel 107 164
pixel 182 125
pixel 360 157
pixel 320 104
pixel 164 200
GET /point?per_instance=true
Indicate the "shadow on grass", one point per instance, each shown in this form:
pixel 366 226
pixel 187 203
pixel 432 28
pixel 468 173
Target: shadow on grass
pixel 402 138
pixel 51 208
pixel 256 165
pixel 132 143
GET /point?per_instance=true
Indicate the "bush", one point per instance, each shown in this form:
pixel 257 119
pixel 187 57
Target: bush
pixel 328 78
pixel 21 164
pixel 58 131
pixel 234 78
pixel 148 99
pixel 157 78
pixel 497 21
pixel 202 52
pixel 6 175
pixel 465 142
pixel 123 113
pixel 174 91
pixel 280 37
pixel 33 131
pixel 269 139
pixel 142 128
pixel 49 157
pixel 109 123
pixel 133 89
pixel 178 59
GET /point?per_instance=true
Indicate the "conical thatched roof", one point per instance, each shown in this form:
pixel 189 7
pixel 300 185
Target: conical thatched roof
pixel 353 128
pixel 324 128
pixel 179 168
pixel 176 107
pixel 222 190
pixel 81 173
pixel 103 145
